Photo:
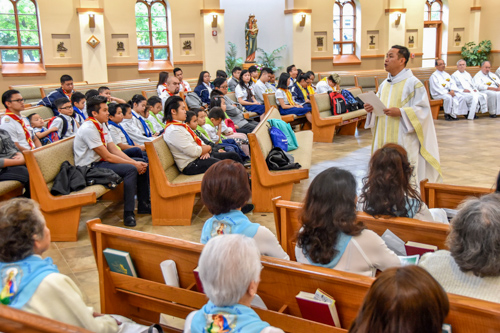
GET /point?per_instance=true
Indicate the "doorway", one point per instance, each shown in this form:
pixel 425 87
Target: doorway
pixel 431 44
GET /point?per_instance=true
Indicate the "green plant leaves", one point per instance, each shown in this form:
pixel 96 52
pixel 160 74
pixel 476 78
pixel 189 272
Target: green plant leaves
pixel 475 55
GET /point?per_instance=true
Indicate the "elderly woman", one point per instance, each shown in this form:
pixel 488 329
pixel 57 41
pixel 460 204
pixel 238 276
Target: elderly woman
pixel 405 299
pixel 472 266
pixel 229 269
pixel 33 284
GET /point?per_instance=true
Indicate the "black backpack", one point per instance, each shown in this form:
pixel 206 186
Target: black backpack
pixel 278 159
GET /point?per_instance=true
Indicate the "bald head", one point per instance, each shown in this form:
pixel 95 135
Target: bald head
pixel 173 85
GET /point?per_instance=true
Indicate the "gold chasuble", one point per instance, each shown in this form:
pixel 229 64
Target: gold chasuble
pixel 414 130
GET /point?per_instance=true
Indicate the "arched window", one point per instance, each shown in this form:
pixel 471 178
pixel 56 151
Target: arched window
pixel 433 10
pixel 344 27
pixel 152 32
pixel 19 32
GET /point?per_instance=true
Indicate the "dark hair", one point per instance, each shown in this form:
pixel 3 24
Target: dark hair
pixel 113 109
pixel 437 60
pixel 136 99
pixel 216 113
pixel 252 69
pixel 153 100
pixel 20 224
pixel 266 70
pixel 235 69
pixel 402 52
pixel 91 93
pixel 218 82
pixel 61 101
pixel 289 68
pixel 221 74
pixel 283 81
pixel 299 72
pixel 6 96
pixel 65 78
pixel 403 299
pixel 163 76
pixel 172 103
pixel 77 97
pixel 189 115
pixel 197 110
pixel 309 73
pixel 244 86
pixel 329 209
pixel 330 78
pixel 102 89
pixel 498 184
pixel 31 116
pixel 387 188
pixel 94 104
pixel 124 107
pixel 200 78
pixel 302 76
pixel 215 100
pixel 176 69
pixel 216 93
pixel 225 187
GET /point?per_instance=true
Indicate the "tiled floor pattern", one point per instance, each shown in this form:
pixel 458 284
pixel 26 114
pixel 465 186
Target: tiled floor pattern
pixel 470 154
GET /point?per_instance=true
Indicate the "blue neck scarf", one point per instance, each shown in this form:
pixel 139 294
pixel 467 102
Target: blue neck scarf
pixel 129 140
pixel 233 222
pixel 342 242
pixel 19 280
pixel 77 110
pixel 145 126
pixel 235 318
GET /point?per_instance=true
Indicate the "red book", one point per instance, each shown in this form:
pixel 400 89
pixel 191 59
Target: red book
pixel 319 307
pixel 199 285
pixel 413 248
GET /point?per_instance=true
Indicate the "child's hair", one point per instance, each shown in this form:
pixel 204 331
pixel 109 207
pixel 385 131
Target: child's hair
pixel 136 99
pixel 217 83
pixel 221 74
pixel 266 70
pixel 77 97
pixel 215 100
pixel 172 103
pixel 303 76
pixel 283 81
pixel 91 93
pixel 216 113
pixel 61 101
pixel 197 111
pixel 102 89
pixel 252 69
pixel 113 109
pixel 124 107
pixel 31 116
pixel 153 100
pixel 189 115
pixel 164 76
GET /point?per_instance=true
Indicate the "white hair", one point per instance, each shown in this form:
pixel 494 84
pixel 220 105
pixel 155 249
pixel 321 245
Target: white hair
pixel 461 61
pixel 227 266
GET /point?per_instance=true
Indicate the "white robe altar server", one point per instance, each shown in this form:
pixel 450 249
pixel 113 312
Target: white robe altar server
pixel 408 119
pixel 489 83
pixel 466 87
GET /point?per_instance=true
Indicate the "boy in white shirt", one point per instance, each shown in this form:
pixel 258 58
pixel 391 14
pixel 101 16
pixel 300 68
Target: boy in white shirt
pixel 65 123
pixel 78 101
pixel 262 86
pixel 94 146
pixel 183 85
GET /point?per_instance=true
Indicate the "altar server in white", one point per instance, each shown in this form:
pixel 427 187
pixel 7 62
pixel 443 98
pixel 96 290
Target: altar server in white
pixel 408 119
pixel 443 87
pixel 466 87
pixel 489 83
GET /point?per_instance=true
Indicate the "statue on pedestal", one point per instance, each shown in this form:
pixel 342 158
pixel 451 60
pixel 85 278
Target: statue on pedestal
pixel 251 31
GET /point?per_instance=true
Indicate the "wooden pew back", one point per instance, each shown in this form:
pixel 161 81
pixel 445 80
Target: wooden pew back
pixel 448 196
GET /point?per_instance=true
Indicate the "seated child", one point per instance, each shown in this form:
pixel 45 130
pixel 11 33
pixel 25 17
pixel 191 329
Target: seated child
pixel 138 130
pixel 156 113
pixel 106 92
pixel 214 126
pixel 218 151
pixel 285 100
pixel 78 101
pixel 65 123
pixel 42 133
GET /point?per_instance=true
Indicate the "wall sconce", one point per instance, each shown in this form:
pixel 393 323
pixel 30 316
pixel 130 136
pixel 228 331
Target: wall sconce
pixel 91 21
pixel 303 21
pixel 214 21
pixel 398 19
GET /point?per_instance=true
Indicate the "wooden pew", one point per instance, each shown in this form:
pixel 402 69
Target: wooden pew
pixel 288 224
pixel 172 193
pixel 436 104
pixel 448 196
pixel 62 213
pixel 366 83
pixel 144 298
pixel 268 184
pixel 10 189
pixel 13 320
pixel 45 112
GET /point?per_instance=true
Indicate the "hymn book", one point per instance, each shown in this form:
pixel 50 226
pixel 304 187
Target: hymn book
pixel 413 248
pixel 120 262
pixel 319 307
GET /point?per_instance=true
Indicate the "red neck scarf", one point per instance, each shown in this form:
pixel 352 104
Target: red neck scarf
pixel 21 122
pixel 67 95
pixel 184 88
pixel 166 89
pixel 195 137
pixel 99 128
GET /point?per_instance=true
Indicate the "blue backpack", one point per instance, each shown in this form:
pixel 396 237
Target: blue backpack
pixel 287 130
pixel 278 138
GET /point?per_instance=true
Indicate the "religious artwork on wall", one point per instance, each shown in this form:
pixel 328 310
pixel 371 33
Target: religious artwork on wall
pixel 458 36
pixel 321 37
pixel 251 32
pixel 319 43
pixel 120 46
pixel 458 39
pixel 372 43
pixel 61 47
pixel 372 36
pixel 93 41
pixel 411 41
pixel 186 45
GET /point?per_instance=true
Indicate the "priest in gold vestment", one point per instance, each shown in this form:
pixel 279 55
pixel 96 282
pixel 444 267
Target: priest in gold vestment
pixel 408 119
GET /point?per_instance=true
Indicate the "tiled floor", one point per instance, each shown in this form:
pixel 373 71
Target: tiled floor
pixel 470 155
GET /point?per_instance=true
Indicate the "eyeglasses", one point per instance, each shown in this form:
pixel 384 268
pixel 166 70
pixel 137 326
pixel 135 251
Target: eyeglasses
pixel 66 108
pixel 17 100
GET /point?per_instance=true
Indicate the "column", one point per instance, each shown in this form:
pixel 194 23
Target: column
pixel 214 54
pixel 298 25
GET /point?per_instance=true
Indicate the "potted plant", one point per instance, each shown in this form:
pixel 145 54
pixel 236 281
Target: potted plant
pixel 475 55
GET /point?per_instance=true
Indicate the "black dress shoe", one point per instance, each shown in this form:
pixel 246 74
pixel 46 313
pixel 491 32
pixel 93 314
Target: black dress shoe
pixel 493 115
pixel 449 118
pixel 144 207
pixel 129 219
pixel 247 208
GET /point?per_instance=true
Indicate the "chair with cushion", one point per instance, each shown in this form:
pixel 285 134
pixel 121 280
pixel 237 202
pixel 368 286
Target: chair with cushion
pixel 44 112
pixel 31 94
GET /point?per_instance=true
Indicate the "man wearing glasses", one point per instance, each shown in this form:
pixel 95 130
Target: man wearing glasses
pixel 16 125
pixel 64 122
